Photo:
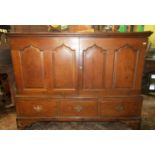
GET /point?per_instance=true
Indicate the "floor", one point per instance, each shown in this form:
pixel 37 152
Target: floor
pixel 8 120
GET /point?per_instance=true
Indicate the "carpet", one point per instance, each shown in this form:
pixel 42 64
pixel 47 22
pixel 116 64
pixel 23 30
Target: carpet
pixel 78 126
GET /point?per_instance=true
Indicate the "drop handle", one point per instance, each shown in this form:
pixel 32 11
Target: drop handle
pixel 120 108
pixel 37 108
pixel 78 108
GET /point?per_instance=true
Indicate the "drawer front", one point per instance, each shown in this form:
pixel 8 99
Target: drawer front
pixel 36 108
pixel 78 108
pixel 120 108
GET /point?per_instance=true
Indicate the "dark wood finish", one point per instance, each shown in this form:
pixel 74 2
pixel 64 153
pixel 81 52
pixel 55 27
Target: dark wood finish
pixel 78 76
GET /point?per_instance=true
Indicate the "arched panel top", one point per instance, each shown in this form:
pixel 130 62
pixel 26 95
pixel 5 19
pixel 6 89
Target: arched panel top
pixel 63 46
pixel 31 47
pixel 127 46
pixel 95 47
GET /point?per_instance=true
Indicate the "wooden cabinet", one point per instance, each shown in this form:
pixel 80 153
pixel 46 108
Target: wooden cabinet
pixel 47 67
pixel 78 76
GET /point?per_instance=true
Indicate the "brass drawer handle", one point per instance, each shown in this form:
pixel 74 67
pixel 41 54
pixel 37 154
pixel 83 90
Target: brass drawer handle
pixel 37 108
pixel 119 108
pixel 78 108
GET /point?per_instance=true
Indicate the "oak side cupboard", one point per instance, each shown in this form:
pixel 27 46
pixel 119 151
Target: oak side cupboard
pixel 78 76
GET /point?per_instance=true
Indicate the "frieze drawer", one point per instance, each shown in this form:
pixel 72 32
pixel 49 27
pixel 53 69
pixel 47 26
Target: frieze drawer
pixel 121 108
pixel 36 108
pixel 78 108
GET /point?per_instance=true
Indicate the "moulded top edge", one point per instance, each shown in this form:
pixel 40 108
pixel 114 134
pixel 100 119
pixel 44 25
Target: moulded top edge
pixel 81 34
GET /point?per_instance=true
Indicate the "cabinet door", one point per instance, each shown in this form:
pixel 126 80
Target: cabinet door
pixel 46 64
pixel 63 63
pixel 111 65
